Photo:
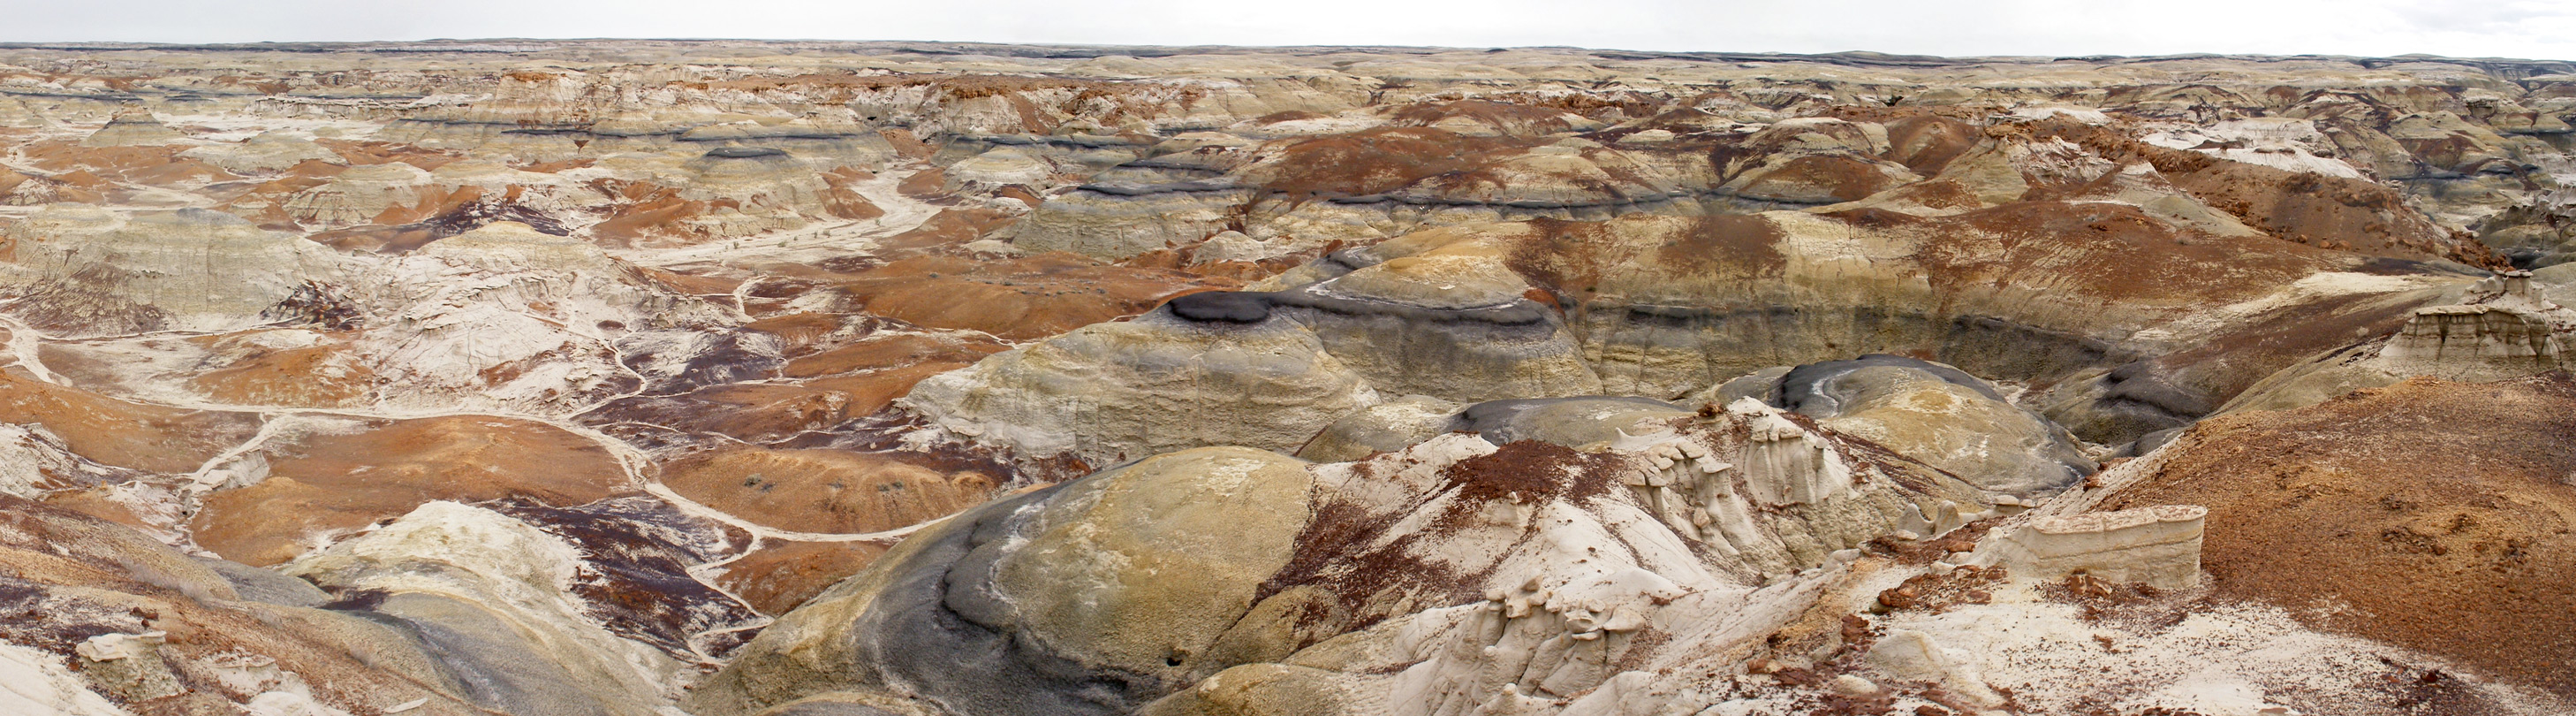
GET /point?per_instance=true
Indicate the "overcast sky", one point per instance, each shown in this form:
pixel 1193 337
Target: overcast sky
pixel 2505 28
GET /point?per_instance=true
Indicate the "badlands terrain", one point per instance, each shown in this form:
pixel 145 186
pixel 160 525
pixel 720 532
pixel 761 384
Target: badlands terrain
pixel 905 379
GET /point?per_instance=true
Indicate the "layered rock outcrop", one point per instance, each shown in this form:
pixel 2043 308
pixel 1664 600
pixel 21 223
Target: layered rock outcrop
pixel 91 271
pixel 2500 327
pixel 2156 546
pixel 1618 383
pixel 1458 550
pixel 1119 391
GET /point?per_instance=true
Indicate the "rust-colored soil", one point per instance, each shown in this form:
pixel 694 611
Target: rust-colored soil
pixel 1367 162
pixel 1019 299
pixel 2348 214
pixel 872 391
pixel 949 227
pixel 316 376
pixel 2440 516
pixel 1841 177
pixel 782 574
pixel 325 483
pixel 115 432
pixel 892 351
pixel 757 412
pixel 802 331
pixel 820 490
pixel 151 165
pixel 2108 251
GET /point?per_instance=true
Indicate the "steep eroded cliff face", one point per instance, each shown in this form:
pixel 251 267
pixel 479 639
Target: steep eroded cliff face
pixel 644 377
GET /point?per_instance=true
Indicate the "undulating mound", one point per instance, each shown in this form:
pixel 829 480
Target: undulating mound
pixel 2436 515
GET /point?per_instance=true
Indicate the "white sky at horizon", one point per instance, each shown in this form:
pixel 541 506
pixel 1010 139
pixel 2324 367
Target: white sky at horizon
pixel 2528 29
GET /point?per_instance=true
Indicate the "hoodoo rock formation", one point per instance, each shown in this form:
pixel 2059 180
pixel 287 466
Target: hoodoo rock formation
pixel 713 378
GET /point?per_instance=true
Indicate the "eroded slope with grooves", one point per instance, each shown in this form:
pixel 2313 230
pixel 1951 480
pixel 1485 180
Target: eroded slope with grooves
pixel 543 376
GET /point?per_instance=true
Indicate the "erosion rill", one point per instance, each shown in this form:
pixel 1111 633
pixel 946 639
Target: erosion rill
pixel 646 378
